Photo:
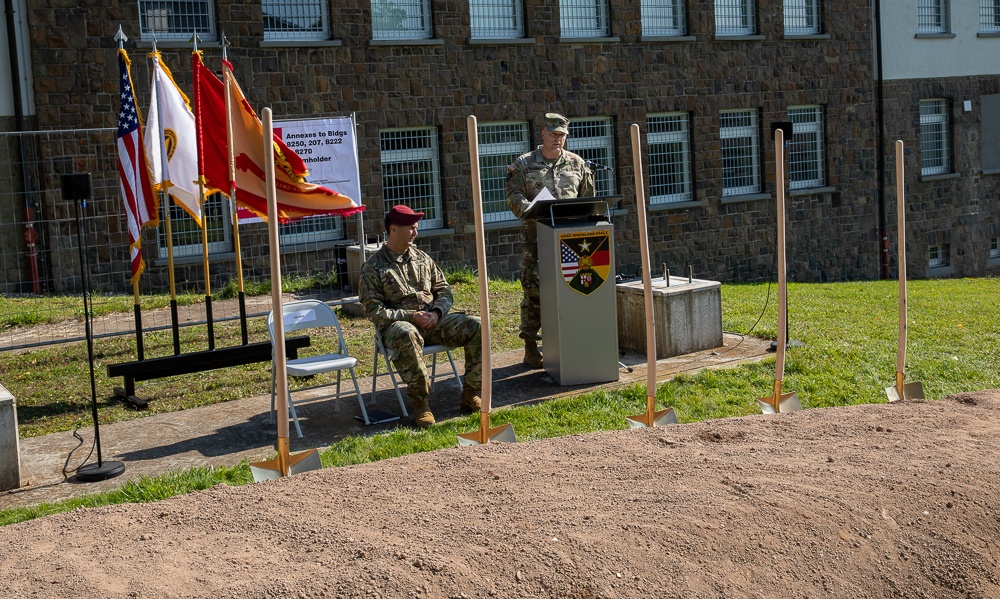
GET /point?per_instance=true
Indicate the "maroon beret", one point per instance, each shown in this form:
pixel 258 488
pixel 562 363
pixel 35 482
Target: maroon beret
pixel 403 215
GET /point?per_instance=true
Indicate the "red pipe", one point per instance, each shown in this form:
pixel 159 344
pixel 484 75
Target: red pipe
pixel 30 237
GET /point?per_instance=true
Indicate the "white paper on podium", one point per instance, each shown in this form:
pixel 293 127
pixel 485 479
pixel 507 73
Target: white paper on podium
pixel 544 194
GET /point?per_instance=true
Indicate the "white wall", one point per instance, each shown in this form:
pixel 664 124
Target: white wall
pixel 907 57
pixel 6 84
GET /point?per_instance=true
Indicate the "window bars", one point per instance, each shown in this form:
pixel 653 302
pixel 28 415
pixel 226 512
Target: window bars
pixel 807 160
pixel 401 19
pixel 932 16
pixel 583 18
pixel 740 152
pixel 411 172
pixel 496 19
pixel 989 16
pixel 296 19
pixel 593 139
pixel 802 17
pixel 994 248
pixel 663 18
pixel 938 256
pixel 499 145
pixel 176 20
pixel 669 137
pixel 935 154
pixel 735 17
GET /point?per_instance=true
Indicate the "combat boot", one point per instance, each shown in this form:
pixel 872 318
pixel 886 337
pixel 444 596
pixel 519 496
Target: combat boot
pixel 532 357
pixel 470 401
pixel 422 412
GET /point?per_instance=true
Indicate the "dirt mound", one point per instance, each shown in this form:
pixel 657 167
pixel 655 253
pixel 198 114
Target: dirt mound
pixel 868 501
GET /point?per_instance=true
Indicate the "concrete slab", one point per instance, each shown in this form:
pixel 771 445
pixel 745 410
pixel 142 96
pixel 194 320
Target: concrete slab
pixel 231 432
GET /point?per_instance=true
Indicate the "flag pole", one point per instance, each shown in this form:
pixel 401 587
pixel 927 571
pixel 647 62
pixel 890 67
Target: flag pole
pixel 204 242
pixel 232 194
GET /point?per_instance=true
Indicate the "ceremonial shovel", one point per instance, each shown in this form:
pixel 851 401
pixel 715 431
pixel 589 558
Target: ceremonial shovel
pixel 651 417
pixel 778 402
pixel 284 464
pixel 485 434
pixel 902 390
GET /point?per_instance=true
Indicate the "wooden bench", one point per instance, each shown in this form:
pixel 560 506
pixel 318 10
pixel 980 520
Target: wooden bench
pixel 155 368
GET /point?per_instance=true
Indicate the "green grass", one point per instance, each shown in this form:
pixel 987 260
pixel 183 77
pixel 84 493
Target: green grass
pixel 849 331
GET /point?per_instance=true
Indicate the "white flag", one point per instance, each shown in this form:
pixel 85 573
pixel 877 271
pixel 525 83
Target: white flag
pixel 170 133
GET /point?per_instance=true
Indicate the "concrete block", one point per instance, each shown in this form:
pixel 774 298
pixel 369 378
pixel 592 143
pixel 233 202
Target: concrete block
pixel 355 261
pixel 688 316
pixel 10 451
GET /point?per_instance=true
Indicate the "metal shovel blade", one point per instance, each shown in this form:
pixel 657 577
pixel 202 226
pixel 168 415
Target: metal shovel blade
pixel 297 463
pixel 652 419
pixel 913 390
pixel 498 434
pixel 785 402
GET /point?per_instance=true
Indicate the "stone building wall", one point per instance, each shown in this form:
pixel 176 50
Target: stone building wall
pixel 832 233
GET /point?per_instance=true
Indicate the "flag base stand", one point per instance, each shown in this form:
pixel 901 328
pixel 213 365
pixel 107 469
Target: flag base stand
pixel 90 473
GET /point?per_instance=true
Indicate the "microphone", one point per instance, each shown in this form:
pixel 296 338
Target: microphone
pixel 596 166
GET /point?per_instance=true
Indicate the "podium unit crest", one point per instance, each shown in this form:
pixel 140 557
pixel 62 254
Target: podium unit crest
pixel 586 259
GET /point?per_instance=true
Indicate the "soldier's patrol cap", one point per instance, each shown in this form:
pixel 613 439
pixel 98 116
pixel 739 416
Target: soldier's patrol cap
pixel 403 216
pixel 556 122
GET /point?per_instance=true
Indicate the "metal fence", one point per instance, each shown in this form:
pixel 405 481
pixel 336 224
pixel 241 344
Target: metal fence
pixel 40 244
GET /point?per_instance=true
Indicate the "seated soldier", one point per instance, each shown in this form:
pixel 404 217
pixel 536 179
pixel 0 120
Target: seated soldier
pixel 407 298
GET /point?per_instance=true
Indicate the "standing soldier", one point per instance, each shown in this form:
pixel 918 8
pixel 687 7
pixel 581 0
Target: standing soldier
pixel 566 176
pixel 407 298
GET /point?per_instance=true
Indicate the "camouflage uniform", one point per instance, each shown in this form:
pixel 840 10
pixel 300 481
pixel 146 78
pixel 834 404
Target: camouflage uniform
pixel 393 287
pixel 565 177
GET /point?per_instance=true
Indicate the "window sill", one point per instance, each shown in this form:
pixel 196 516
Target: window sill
pixel 501 41
pixel 992 262
pixel 941 177
pixel 175 44
pixel 613 39
pixel 939 271
pixel 408 42
pixel 502 224
pixel 663 206
pixel 811 191
pixel 807 36
pixel 667 38
pixel 992 171
pixel 988 34
pixel 750 197
pixel 301 44
pixel 934 36
pixel 739 38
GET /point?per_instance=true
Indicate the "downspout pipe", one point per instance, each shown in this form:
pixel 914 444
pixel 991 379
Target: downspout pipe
pixel 883 232
pixel 30 234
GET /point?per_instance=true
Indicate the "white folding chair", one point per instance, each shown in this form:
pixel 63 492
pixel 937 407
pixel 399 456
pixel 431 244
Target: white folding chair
pixel 429 350
pixel 309 314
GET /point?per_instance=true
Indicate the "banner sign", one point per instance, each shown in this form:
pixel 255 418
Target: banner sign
pixel 586 259
pixel 328 148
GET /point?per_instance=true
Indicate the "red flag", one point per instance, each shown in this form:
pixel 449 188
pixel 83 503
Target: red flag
pixel 141 205
pixel 296 197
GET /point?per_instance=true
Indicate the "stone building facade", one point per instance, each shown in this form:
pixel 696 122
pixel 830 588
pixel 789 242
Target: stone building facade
pixel 705 96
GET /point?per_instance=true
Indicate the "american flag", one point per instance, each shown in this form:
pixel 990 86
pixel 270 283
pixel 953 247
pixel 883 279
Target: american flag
pixel 133 172
pixel 570 261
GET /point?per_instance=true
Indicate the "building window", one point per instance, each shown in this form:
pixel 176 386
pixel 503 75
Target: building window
pixel 497 19
pixel 989 16
pixel 669 138
pixel 411 172
pixel 296 19
pixel 806 154
pixel 932 16
pixel 735 17
pixel 499 145
pixel 663 17
pixel 593 139
pixel 994 248
pixel 583 18
pixel 176 20
pixel 740 153
pixel 935 152
pixel 186 234
pixel 311 229
pixel 802 17
pixel 938 256
pixel 401 19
